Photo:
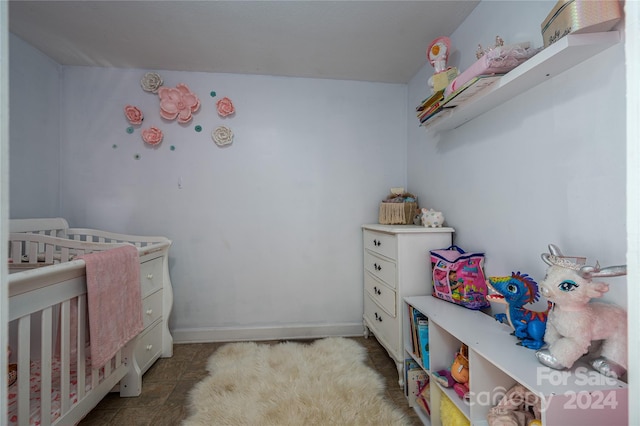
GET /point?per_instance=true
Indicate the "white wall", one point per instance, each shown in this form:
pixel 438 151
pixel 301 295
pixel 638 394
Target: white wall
pixel 266 232
pixel 548 166
pixel 34 102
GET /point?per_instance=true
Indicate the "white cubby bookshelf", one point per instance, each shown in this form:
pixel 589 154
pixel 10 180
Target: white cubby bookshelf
pixel 579 396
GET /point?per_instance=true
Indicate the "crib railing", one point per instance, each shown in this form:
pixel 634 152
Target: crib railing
pixel 98 236
pixel 39 249
pixel 48 325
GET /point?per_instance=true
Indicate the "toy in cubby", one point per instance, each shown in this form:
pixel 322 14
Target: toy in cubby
pixel 457 377
pixel 518 407
pixel 450 415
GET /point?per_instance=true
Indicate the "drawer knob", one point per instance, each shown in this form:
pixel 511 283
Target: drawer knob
pixel 377 291
pixel 377 243
pixel 149 347
pixel 377 267
pixel 149 276
pixel 149 311
pixel 378 317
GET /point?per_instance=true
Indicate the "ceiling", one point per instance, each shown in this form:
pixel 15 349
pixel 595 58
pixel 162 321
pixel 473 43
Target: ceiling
pixel 381 41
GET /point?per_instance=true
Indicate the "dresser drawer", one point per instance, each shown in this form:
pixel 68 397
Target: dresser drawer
pixel 385 327
pixel 151 276
pixel 149 346
pixel 380 293
pixel 382 269
pixel 383 244
pixel 152 308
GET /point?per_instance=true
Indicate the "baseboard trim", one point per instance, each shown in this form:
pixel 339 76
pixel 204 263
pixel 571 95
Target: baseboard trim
pixel 236 334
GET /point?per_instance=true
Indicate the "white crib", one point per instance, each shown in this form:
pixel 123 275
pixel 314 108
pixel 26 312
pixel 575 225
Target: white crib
pixel 48 336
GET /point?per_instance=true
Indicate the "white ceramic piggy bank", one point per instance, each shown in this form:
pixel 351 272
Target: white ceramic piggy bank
pixel 431 218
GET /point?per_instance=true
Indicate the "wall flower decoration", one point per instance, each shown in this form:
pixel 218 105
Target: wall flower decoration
pixel 178 102
pixel 151 82
pixel 222 135
pixel 152 135
pixel 225 107
pixel 133 114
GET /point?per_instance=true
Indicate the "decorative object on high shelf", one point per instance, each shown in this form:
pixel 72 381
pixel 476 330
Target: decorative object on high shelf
pixel 575 322
pixel 438 55
pixel 398 209
pixel 580 16
pixel 494 61
pixel 481 51
pixel 516 291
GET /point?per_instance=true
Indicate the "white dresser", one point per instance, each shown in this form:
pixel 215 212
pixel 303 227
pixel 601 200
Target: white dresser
pixel 396 265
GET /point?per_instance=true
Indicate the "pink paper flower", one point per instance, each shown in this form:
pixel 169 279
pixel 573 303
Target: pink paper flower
pixel 225 107
pixel 134 115
pixel 178 102
pixel 152 136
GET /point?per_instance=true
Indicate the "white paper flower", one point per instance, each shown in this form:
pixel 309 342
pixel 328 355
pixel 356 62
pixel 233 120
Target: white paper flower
pixel 151 82
pixel 222 136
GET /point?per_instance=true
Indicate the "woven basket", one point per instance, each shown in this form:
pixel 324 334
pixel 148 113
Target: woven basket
pixel 397 213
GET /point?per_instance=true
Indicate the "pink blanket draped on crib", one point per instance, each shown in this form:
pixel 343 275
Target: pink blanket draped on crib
pixel 114 301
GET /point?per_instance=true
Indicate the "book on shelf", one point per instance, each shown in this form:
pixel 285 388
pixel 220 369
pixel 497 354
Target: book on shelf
pixel 423 341
pixel 424 396
pixel 414 317
pixel 431 100
pixel 470 89
pixel 417 379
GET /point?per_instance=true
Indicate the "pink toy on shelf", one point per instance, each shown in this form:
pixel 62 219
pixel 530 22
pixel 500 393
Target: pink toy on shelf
pixel 179 102
pixel 438 53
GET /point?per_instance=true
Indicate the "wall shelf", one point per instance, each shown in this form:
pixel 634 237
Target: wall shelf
pixel 555 59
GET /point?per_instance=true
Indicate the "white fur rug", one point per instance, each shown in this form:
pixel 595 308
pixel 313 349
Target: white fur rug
pixel 323 383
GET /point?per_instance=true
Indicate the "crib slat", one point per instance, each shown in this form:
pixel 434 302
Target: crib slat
pixel 82 324
pixel 45 367
pixel 24 367
pixel 32 252
pixel 48 253
pixel 16 251
pixel 65 359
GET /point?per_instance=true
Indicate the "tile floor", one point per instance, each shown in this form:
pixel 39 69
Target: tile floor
pixel 167 383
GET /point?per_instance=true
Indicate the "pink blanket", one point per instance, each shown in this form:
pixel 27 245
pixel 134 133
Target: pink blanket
pixel 114 301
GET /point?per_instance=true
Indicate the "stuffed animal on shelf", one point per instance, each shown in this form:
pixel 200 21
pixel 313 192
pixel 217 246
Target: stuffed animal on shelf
pixel 516 291
pixel 574 322
pixel 458 376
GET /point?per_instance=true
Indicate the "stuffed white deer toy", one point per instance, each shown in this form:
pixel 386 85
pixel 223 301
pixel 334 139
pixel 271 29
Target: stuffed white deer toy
pixel 573 322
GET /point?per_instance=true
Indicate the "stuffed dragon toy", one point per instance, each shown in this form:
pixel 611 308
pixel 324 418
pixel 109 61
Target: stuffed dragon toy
pixel 516 291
